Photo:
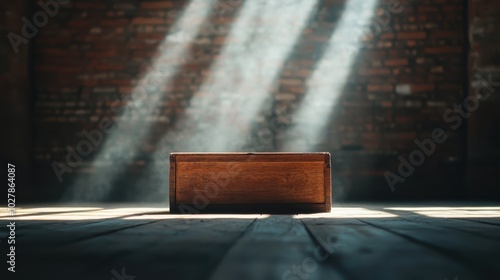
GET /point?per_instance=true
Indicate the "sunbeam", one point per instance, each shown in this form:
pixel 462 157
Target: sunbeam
pixel 227 103
pixel 328 79
pixel 134 122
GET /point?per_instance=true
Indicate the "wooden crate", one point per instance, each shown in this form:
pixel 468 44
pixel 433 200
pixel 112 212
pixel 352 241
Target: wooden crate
pixel 250 182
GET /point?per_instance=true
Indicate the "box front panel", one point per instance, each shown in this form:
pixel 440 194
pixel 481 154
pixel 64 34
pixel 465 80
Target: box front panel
pixel 262 180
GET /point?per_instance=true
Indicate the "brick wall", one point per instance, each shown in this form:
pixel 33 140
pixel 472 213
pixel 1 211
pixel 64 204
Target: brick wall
pixel 15 98
pixel 406 76
pixel 484 76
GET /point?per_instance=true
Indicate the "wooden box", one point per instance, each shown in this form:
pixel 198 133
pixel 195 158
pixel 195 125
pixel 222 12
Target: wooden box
pixel 250 182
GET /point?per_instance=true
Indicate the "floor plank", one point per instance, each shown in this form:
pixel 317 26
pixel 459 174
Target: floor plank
pixel 186 247
pixel 381 255
pixel 354 241
pixel 477 253
pixel 49 231
pixel 272 249
pixel 472 227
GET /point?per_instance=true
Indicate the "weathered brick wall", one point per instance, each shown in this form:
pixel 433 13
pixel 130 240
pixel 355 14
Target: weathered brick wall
pixel 484 76
pixel 407 74
pixel 15 97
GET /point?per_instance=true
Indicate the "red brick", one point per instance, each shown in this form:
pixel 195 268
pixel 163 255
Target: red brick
pixel 427 9
pixel 297 89
pixel 387 35
pixel 374 71
pixel 220 40
pixel 156 5
pixel 125 89
pixel 116 82
pixel 148 21
pixel 101 53
pixel 302 73
pixel 110 67
pixel 124 6
pixel 60 53
pixel 114 22
pixel 59 68
pixel 89 5
pixel 79 23
pixel 437 69
pixel 396 62
pixel 442 50
pixel 422 87
pixel 387 88
pixel 455 34
pixel 291 82
pixel 411 43
pixel 412 35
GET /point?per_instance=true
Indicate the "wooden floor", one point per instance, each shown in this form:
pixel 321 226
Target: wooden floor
pixel 354 241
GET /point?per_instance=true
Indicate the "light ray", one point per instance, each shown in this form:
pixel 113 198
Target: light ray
pixel 349 213
pixel 197 217
pixel 240 81
pixel 328 79
pixel 133 125
pixel 92 215
pixel 452 212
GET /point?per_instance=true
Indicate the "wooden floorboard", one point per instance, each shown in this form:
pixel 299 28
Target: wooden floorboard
pixel 185 247
pixel 474 228
pixel 381 254
pixel 191 251
pixel 354 241
pixel 50 234
pixel 271 249
pixel 477 253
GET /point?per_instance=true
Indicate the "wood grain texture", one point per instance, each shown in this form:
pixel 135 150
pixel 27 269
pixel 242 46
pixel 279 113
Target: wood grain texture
pixel 214 181
pixel 253 183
